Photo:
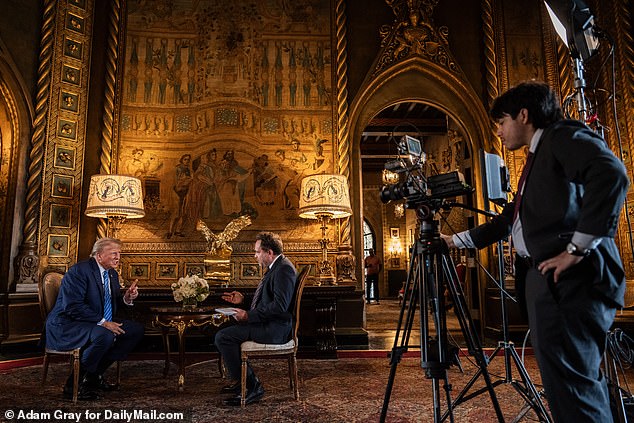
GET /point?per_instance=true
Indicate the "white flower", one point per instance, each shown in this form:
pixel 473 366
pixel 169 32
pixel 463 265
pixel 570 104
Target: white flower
pixel 190 287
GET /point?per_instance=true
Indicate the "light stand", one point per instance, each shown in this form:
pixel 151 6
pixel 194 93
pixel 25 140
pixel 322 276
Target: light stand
pixel 525 387
pixel 324 197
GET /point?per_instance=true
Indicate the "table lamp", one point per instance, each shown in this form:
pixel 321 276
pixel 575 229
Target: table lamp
pixel 324 197
pixel 116 198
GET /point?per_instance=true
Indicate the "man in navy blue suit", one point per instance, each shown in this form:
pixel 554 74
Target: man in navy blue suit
pixel 84 317
pixel 267 320
pixel 568 272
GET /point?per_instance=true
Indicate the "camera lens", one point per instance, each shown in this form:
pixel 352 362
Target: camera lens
pixel 394 192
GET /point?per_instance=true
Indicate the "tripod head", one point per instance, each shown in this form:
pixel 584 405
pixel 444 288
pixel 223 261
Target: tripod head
pixel 428 232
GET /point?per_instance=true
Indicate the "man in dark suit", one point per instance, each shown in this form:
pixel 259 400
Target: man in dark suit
pixel 563 220
pixel 83 317
pixel 268 319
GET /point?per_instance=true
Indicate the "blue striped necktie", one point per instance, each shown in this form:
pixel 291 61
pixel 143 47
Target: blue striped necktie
pixel 107 300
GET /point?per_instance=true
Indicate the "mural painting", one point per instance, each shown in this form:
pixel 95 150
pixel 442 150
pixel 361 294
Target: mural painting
pixel 227 105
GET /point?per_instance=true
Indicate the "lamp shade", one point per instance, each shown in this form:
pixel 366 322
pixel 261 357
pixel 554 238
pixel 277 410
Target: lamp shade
pixel 115 195
pixel 324 195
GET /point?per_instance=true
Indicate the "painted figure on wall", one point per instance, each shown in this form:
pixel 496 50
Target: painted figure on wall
pixel 136 166
pixel 202 198
pixel 231 184
pixel 181 187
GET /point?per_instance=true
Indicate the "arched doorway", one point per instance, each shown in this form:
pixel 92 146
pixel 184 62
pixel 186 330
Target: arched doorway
pixel 442 89
pixel 394 225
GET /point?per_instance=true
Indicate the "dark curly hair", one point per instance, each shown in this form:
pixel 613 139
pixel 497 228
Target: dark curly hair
pixel 536 97
pixel 270 242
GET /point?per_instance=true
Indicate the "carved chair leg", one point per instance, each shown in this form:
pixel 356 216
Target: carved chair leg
pixel 45 368
pixel 243 382
pixel 75 359
pixel 295 378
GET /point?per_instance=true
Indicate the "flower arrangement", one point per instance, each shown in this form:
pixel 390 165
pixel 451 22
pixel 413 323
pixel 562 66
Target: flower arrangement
pixel 190 288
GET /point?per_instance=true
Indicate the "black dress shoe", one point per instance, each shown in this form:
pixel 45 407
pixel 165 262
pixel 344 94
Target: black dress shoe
pixel 101 384
pixel 233 388
pixel 253 395
pixel 84 393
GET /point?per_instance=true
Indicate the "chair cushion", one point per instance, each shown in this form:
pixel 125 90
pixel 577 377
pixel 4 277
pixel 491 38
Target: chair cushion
pixel 254 346
pixel 64 352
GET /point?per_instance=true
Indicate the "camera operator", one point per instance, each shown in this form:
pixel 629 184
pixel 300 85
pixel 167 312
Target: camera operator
pixel 569 276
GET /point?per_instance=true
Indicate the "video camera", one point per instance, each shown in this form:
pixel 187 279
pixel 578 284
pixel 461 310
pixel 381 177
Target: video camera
pixel 418 189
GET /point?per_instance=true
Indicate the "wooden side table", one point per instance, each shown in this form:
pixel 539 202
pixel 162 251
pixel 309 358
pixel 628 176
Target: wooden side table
pixel 181 319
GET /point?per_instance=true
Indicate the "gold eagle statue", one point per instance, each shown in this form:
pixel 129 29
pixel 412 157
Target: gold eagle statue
pixel 217 244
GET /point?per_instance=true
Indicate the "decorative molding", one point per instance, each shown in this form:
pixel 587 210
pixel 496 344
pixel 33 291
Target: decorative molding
pixel 490 63
pixel 28 249
pixel 69 67
pixel 343 134
pixel 413 34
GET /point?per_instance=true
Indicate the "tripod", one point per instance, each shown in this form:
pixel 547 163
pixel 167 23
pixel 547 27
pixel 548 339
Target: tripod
pixel 431 270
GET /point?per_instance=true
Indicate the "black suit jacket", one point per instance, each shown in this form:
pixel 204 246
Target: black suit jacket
pixel 272 316
pixel 575 184
pixel 79 305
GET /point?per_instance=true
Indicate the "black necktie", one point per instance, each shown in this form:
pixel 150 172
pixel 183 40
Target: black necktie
pixel 258 291
pixel 520 184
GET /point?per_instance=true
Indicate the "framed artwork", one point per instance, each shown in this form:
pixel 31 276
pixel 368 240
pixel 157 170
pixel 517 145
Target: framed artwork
pixel 250 271
pixel 67 129
pixel 64 157
pixel 313 269
pixel 71 75
pixel 73 48
pixel 166 270
pixel 62 268
pixel 395 233
pixel 78 3
pixel 59 216
pixel 69 101
pixel 58 245
pixel 62 186
pixel 139 271
pixel 197 269
pixel 75 23
pixel 395 262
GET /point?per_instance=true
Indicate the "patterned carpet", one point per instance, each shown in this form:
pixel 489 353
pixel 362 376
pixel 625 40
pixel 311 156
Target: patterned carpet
pixel 344 390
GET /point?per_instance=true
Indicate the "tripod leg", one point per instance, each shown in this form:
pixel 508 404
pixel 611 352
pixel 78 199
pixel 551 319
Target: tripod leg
pixel 528 391
pixel 401 340
pixel 466 323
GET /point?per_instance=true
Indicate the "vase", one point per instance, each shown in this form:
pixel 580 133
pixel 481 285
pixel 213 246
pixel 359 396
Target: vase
pixel 189 303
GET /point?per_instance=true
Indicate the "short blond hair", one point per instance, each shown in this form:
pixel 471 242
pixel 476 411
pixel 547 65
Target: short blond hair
pixel 102 243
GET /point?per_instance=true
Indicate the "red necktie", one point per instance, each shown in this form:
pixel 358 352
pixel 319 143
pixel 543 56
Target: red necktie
pixel 520 184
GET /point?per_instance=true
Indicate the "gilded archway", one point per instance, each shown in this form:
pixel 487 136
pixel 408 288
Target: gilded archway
pixel 417 79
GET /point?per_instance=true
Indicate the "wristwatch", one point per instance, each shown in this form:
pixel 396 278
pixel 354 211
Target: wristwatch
pixel 572 249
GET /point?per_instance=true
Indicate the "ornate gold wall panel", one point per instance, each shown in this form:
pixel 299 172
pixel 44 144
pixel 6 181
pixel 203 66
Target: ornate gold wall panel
pixel 620 14
pixel 63 155
pixel 225 107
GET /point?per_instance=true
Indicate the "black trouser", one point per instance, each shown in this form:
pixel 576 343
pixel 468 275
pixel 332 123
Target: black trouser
pixel 372 287
pixel 229 339
pixel 106 348
pixel 568 323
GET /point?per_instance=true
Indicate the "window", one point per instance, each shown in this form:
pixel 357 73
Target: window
pixel 368 238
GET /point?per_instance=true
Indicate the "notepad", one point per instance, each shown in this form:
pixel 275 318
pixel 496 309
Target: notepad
pixel 226 311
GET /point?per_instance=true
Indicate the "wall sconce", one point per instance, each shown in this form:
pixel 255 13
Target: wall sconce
pixel 395 248
pixel 399 210
pixel 324 197
pixel 116 198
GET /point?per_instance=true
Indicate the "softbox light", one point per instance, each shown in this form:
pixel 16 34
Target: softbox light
pixel 574 23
